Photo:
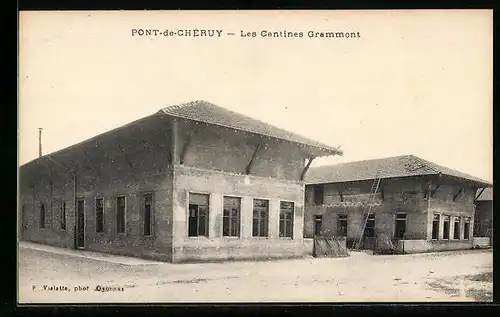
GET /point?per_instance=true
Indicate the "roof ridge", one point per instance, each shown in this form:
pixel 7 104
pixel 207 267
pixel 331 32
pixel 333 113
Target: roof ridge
pixel 359 161
pixel 265 128
pixel 426 163
pixel 185 104
pixel 395 166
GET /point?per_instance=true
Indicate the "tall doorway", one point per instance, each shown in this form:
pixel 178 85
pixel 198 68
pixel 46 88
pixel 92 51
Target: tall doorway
pixel 80 224
pixel 369 233
pixel 400 226
pixel 318 223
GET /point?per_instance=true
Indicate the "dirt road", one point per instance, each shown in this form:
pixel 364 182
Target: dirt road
pixel 445 276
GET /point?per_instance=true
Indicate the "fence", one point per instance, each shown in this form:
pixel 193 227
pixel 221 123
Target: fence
pixel 329 246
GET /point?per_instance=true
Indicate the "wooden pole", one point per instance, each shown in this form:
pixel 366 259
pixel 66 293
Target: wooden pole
pixel 40 142
pixel 75 207
pixel 429 214
pixel 175 137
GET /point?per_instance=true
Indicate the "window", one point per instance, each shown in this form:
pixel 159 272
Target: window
pixel 466 228
pixel 198 215
pixel 456 228
pixel 260 217
pixel 63 215
pixel 120 214
pixel 435 227
pixel 370 226
pixel 231 217
pixel 318 223
pixel 318 195
pixel 446 227
pixel 42 215
pixel 99 215
pixel 286 219
pixel 148 206
pixel 342 226
pixel 400 227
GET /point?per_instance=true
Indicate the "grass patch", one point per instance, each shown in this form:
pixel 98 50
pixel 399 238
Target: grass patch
pixel 444 288
pixel 481 277
pixel 480 295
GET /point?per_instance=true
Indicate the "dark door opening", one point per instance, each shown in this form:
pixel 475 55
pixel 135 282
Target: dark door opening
pixel 318 195
pixel 400 226
pixel 369 233
pixel 80 224
pixel 318 222
pixel 435 227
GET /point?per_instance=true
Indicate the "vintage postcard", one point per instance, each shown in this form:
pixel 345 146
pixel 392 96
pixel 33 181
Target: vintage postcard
pixel 255 156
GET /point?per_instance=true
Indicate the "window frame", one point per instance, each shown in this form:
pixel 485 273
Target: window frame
pixel 467 221
pixel 151 214
pixel 456 220
pixel 400 219
pixel 260 219
pixel 62 216
pixel 103 212
pixel 285 220
pixel 230 217
pixel 124 215
pixel 342 217
pixel 42 216
pixel 207 217
pixel 449 227
pixel 438 226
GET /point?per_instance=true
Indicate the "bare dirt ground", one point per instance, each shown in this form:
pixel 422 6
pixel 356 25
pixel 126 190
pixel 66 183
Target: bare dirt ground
pixel 444 276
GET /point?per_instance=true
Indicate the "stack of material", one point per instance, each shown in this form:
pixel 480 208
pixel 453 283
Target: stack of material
pixel 384 244
pixel 329 247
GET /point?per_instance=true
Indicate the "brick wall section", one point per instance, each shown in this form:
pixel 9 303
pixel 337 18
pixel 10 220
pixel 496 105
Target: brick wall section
pixel 330 215
pixel 248 187
pixel 31 200
pixel 214 163
pixel 484 215
pixel 133 242
pixel 400 195
pixel 130 163
pixel 146 158
pixel 442 203
pixel 420 246
pixel 218 148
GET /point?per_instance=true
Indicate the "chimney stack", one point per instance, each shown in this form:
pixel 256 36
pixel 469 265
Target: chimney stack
pixel 40 142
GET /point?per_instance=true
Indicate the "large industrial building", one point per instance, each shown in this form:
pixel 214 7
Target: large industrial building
pixel 402 203
pixel 190 182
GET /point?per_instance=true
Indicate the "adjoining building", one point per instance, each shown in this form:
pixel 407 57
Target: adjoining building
pixel 190 182
pixel 483 222
pixel 419 206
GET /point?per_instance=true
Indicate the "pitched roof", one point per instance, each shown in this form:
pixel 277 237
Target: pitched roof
pixel 487 194
pixel 391 167
pixel 203 111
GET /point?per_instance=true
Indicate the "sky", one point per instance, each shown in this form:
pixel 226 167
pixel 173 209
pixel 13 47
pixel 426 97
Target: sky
pixel 414 82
